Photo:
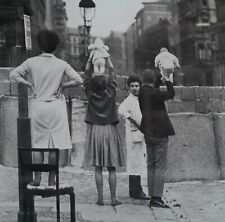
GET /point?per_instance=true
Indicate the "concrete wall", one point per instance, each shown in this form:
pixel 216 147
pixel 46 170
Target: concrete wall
pixel 192 153
pixel 8 130
pixel 196 152
pixel 198 115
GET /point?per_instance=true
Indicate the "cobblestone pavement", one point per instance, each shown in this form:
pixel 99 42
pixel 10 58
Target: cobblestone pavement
pixel 189 201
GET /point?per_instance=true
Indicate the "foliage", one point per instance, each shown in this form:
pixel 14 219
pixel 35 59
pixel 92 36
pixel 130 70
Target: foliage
pixel 149 44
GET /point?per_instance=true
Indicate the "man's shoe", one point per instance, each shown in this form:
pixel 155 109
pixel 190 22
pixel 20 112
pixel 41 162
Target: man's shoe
pixel 158 203
pixel 142 196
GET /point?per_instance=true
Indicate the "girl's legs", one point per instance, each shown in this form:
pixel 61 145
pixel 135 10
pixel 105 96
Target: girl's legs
pixel 52 174
pixel 112 186
pixel 99 184
pixel 38 157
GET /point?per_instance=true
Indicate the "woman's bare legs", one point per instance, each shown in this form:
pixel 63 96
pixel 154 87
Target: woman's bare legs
pixel 52 174
pixel 112 186
pixel 38 157
pixel 99 184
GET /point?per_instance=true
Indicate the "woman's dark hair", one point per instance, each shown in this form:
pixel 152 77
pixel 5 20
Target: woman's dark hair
pixel 47 40
pixel 98 83
pixel 133 78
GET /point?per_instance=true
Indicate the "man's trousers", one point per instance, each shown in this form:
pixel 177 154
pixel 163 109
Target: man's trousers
pixel 156 164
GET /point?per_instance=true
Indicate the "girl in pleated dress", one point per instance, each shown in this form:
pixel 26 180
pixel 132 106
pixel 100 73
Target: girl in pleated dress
pixel 49 76
pixel 103 147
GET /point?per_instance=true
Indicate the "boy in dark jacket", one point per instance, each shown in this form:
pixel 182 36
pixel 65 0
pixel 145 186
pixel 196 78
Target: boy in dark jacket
pixel 156 127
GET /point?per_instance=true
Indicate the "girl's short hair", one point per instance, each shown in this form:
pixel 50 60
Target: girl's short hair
pixel 133 78
pixel 98 83
pixel 47 40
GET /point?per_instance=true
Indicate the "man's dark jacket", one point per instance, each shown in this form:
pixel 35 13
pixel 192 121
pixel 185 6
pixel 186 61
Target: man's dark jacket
pixel 155 120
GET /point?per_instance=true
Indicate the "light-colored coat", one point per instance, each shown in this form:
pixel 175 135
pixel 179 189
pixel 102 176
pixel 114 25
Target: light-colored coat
pixel 136 149
pixel 49 122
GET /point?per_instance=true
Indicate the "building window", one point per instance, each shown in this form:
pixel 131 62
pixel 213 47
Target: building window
pixel 209 53
pixel 201 51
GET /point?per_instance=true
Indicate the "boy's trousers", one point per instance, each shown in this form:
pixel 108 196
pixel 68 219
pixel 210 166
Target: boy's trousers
pixel 156 165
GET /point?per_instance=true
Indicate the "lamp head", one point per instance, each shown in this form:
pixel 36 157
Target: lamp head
pixel 86 4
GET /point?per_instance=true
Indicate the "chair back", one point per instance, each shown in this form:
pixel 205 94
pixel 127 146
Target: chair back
pixel 27 164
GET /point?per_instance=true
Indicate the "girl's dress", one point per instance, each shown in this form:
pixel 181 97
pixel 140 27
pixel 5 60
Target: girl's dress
pixel 49 122
pixel 103 145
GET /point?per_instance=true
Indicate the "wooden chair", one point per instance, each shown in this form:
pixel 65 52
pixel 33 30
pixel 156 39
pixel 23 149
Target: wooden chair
pixel 26 164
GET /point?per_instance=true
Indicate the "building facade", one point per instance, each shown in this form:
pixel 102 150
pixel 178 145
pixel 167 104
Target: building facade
pixel 116 43
pixel 49 14
pixel 151 14
pixel 196 40
pixel 149 45
pixel 130 37
pixel 56 20
pixel 11 33
pixel 139 57
pixel 75 47
pixel 219 77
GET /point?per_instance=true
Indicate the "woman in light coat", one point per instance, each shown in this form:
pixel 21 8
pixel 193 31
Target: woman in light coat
pixel 49 76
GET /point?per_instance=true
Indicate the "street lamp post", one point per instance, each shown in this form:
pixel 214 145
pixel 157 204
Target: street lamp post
pixel 87 11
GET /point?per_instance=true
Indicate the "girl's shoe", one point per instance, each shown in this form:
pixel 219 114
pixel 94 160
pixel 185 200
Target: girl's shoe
pixel 100 202
pixel 116 202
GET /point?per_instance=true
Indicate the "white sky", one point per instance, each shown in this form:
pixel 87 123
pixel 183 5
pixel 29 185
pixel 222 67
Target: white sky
pixel 116 15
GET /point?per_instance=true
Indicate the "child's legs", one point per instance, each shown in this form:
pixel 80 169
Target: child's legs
pixel 38 157
pixel 99 65
pixel 99 182
pixel 52 174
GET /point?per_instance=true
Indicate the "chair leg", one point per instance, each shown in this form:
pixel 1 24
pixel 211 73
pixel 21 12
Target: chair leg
pixel 58 207
pixel 72 207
